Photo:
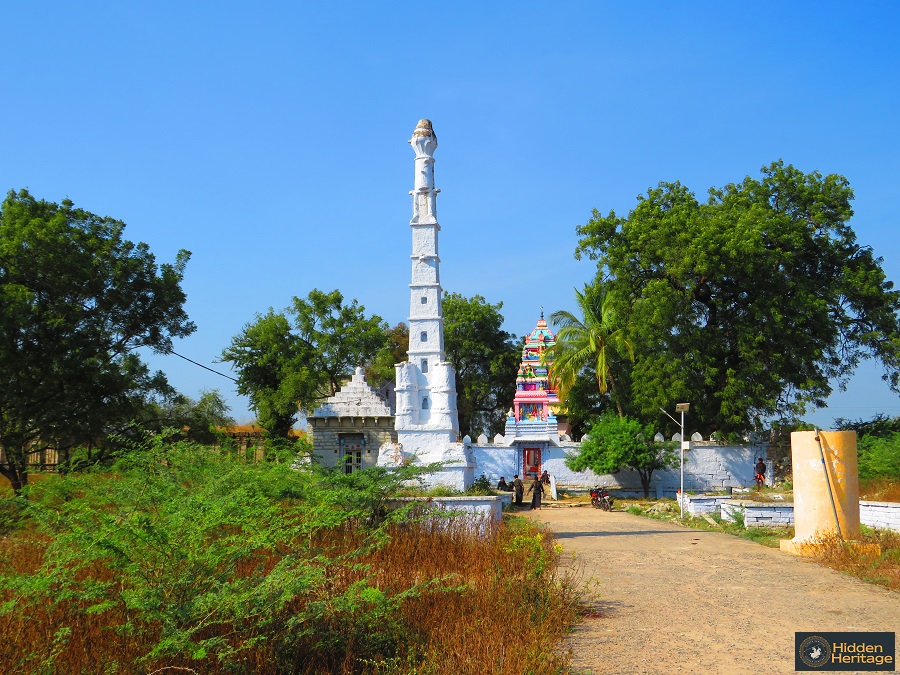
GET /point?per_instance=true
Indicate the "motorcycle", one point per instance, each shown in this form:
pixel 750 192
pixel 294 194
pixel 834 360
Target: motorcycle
pixel 601 499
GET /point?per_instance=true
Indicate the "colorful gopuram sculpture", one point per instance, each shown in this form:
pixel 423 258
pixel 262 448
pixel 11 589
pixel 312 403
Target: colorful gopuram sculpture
pixel 532 425
pixel 536 400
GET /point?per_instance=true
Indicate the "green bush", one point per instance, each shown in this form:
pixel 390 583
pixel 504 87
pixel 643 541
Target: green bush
pixel 481 486
pixel 204 553
pixel 879 455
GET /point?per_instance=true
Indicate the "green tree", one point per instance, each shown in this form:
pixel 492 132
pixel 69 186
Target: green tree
pixel 594 341
pixel 616 442
pixel 76 300
pixel 748 305
pixel 381 370
pixel 291 360
pixel 584 403
pixel 200 420
pixel 878 445
pixel 880 425
pixel 485 357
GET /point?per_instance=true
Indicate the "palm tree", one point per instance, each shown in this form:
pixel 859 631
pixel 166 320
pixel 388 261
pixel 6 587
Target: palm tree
pixel 593 340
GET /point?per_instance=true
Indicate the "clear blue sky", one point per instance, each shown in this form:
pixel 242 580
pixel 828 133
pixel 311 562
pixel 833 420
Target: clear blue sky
pixel 269 139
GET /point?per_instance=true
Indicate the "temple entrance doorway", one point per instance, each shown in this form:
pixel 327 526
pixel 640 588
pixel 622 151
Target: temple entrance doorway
pixel 531 462
pixel 352 451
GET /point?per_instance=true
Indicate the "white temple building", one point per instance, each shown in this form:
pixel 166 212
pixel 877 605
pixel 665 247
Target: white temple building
pixel 427 421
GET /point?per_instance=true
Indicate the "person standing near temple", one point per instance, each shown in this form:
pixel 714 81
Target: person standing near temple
pixel 537 489
pixel 519 488
pixel 760 471
pixel 545 483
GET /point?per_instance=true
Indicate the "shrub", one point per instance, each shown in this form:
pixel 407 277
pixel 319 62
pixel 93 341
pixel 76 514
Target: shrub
pixel 879 455
pixel 185 558
pixel 481 486
pixel 864 562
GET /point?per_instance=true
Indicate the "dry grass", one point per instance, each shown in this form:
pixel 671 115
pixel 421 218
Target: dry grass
pixel 883 569
pixel 502 607
pixel 35 477
pixel 879 489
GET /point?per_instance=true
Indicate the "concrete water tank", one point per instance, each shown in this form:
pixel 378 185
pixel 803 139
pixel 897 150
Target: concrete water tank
pixel 826 488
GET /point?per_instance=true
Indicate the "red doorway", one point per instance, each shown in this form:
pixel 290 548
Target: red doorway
pixel 531 462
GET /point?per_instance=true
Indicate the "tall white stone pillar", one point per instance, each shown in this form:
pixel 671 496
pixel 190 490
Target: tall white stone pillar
pixel 427 419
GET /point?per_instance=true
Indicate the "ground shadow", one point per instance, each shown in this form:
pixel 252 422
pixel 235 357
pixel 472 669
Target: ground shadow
pixel 575 535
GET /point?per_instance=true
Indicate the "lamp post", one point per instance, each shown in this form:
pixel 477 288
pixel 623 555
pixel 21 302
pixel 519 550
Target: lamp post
pixel 682 408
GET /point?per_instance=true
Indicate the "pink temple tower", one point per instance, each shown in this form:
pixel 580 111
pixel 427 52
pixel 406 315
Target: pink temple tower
pixel 533 422
pixel 536 400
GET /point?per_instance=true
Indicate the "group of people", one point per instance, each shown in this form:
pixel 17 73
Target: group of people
pixel 536 488
pixel 541 483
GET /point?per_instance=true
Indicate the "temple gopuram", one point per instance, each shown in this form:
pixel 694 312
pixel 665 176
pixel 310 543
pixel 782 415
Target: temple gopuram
pixel 535 420
pixel 536 400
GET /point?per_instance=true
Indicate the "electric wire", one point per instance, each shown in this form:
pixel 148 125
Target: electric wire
pixel 173 352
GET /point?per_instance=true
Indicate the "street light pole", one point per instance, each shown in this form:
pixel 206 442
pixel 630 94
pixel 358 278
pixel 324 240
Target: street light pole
pixel 682 408
pixel 682 463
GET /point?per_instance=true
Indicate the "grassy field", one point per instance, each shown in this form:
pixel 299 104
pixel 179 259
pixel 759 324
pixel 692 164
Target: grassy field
pixel 223 568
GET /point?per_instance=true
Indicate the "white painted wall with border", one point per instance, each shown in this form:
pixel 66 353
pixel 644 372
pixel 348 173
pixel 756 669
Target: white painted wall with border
pixel 707 467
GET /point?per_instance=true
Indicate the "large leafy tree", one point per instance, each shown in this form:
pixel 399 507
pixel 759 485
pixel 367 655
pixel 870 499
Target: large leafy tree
pixel 594 340
pixel 381 369
pixel 485 357
pixel 290 360
pixel 616 442
pixel 584 402
pixel 200 420
pixel 76 300
pixel 750 304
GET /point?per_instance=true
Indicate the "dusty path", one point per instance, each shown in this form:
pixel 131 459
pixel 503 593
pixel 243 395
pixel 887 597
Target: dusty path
pixel 675 600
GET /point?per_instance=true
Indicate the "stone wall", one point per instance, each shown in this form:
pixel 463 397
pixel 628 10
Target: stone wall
pixel 884 515
pixel 711 466
pixel 479 514
pixel 757 514
pixel 554 461
pixel 495 461
pixel 326 434
pixel 698 504
pixel 708 466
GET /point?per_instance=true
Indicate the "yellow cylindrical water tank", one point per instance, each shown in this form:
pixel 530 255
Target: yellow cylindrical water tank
pixel 826 487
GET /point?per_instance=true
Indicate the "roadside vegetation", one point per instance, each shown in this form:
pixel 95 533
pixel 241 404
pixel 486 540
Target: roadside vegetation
pixel 180 557
pixel 879 489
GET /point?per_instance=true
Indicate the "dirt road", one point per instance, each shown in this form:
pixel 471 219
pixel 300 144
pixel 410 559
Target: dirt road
pixel 675 600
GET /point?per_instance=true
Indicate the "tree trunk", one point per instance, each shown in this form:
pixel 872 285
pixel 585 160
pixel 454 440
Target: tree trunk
pixel 645 482
pixel 612 390
pixel 16 472
pixel 62 461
